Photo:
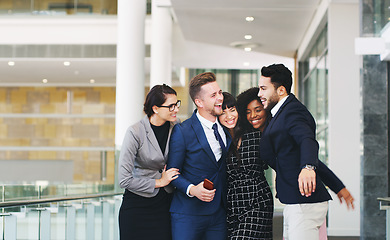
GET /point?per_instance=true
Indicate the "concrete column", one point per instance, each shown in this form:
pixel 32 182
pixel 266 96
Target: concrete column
pixel 130 72
pixel 161 47
pixel 344 114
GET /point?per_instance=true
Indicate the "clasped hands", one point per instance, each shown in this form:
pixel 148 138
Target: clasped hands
pixel 307 185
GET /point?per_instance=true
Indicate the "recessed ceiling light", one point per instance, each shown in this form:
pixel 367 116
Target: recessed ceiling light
pixel 246 63
pixel 10 63
pixel 249 19
pixel 248 37
pixel 248 49
pixel 92 81
pixel 44 80
pixel 66 63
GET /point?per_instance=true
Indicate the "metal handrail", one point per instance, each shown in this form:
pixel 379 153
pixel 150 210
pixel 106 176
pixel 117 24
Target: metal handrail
pixel 57 199
pixel 384 199
pixel 384 204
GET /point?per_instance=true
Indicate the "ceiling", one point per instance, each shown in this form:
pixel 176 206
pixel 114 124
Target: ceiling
pixel 277 29
pixel 32 72
pixel 278 26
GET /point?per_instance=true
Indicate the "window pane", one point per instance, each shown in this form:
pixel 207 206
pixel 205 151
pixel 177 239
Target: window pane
pixel 247 79
pixel 322 141
pixel 314 74
pixel 321 93
pixel 310 93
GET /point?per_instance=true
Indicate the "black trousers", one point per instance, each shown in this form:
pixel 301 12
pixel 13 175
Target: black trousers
pixel 145 218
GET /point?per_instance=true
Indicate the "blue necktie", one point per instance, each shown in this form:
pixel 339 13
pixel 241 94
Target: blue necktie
pixel 219 138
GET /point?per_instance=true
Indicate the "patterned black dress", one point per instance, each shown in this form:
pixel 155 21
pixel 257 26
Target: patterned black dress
pixel 249 198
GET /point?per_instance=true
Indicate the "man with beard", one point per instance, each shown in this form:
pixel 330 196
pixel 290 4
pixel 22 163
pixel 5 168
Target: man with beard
pixel 289 146
pixel 198 148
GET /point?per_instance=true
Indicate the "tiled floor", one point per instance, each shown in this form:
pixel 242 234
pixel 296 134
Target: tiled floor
pixel 343 238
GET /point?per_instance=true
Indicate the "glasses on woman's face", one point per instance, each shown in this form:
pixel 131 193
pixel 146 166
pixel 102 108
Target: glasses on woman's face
pixel 172 106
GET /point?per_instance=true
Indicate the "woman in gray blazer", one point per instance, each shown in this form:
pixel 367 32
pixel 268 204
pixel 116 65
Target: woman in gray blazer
pixel 144 213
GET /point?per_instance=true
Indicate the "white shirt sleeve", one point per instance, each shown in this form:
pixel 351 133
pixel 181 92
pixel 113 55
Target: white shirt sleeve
pixel 188 190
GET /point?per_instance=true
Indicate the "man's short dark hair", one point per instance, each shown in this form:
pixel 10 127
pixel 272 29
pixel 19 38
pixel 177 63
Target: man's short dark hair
pixel 280 76
pixel 198 81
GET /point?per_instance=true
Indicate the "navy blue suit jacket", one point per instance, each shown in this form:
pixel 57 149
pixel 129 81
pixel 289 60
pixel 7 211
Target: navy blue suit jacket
pixel 190 152
pixel 287 145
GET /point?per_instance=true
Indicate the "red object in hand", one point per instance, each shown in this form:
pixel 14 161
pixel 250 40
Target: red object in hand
pixel 209 185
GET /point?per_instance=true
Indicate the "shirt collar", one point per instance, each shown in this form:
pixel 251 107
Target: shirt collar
pixel 206 122
pixel 276 108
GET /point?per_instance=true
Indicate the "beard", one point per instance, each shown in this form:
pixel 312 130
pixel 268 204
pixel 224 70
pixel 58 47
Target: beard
pixel 215 113
pixel 272 101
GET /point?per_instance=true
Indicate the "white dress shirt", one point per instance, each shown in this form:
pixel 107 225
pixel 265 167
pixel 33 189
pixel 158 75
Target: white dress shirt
pixel 212 140
pixel 209 132
pixel 276 108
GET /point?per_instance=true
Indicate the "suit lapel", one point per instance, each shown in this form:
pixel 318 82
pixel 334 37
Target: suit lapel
pixel 228 138
pixel 201 136
pixel 150 135
pixel 228 142
pixel 290 98
pixel 266 140
pixel 169 137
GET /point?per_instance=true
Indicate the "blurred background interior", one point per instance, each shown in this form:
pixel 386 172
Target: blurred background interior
pixel 74 73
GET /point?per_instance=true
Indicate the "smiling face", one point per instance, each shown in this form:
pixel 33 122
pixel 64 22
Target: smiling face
pixel 210 101
pixel 267 93
pixel 163 114
pixel 229 117
pixel 256 115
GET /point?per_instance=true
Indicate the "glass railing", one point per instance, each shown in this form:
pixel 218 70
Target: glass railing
pixel 72 211
pixel 43 189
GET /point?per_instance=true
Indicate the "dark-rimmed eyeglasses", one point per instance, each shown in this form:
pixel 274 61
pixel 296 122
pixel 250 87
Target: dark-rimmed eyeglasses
pixel 172 106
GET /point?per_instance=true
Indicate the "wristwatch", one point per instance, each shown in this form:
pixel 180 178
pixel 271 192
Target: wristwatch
pixel 309 167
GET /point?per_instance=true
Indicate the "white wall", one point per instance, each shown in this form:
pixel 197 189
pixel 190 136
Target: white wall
pixel 58 30
pixel 37 170
pixel 344 113
pixel 344 106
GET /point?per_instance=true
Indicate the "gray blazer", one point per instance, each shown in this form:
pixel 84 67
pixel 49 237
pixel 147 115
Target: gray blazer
pixel 141 160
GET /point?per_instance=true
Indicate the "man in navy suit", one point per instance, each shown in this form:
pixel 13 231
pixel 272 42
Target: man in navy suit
pixel 198 148
pixel 289 146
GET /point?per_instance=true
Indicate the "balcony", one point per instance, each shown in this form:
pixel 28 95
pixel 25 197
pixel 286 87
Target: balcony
pixel 73 211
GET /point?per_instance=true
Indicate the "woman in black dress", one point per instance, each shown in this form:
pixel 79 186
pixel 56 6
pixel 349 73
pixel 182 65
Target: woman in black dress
pixel 144 213
pixel 249 198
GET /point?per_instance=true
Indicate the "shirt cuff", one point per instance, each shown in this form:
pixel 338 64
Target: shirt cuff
pixel 188 190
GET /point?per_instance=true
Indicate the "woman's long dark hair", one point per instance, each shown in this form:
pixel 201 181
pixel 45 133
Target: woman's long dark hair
pixel 228 102
pixel 243 99
pixel 243 126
